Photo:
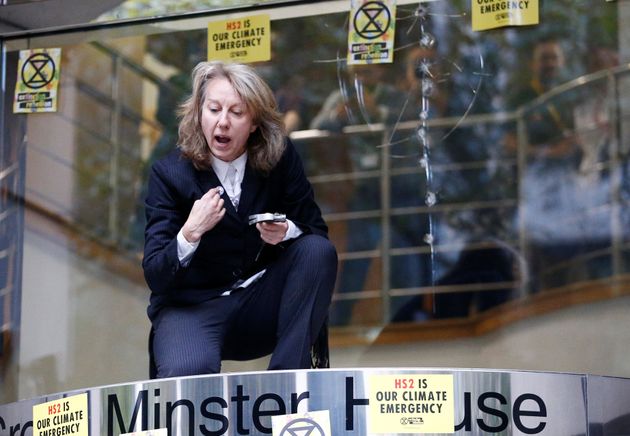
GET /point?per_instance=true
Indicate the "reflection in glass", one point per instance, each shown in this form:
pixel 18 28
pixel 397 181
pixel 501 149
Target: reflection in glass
pixel 481 177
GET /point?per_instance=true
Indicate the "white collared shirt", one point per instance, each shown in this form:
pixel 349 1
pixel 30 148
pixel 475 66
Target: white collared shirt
pixel 221 168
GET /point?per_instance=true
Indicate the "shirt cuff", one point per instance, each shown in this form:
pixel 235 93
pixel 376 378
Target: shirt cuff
pixel 185 249
pixel 292 232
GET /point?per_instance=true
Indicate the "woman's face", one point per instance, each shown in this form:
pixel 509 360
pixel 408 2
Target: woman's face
pixel 225 120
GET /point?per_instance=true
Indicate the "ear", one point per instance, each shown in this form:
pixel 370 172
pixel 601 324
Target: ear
pixel 253 128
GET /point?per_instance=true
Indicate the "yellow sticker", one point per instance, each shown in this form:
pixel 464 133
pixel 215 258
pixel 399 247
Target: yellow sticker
pixel 37 81
pixel 246 39
pixel 411 403
pixel 65 416
pixel 490 14
pixel 372 27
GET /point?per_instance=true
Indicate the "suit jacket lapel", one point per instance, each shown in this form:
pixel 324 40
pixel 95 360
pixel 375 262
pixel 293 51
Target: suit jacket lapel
pixel 252 184
pixel 206 180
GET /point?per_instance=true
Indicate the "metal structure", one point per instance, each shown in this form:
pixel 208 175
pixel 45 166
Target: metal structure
pixel 483 401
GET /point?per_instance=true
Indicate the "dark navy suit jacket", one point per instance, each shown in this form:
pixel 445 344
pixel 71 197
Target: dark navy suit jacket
pixel 229 251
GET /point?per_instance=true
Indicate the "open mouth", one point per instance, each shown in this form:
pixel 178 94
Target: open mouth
pixel 222 139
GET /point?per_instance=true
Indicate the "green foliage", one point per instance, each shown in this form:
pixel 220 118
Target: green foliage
pixel 154 8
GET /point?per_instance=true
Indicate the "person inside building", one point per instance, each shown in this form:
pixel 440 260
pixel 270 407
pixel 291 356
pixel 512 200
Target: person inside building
pixel 549 126
pixel 236 254
pixel 552 157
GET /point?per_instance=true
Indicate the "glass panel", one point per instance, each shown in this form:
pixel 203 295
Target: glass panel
pixel 479 179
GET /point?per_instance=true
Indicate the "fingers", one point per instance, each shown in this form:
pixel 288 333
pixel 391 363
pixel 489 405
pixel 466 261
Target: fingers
pixel 211 200
pixel 221 211
pixel 204 215
pixel 272 233
pixel 214 192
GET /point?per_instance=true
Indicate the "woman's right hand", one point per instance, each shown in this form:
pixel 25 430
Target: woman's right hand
pixel 204 215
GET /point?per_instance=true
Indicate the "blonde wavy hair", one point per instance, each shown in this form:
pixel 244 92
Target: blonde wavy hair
pixel 264 146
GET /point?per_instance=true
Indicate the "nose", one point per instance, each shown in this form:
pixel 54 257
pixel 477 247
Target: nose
pixel 223 119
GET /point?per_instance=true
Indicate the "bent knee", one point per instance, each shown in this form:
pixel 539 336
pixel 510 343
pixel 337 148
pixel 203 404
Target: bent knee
pixel 320 247
pixel 320 255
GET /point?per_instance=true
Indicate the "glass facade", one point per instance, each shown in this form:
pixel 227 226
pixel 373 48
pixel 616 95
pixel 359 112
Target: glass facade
pixel 477 184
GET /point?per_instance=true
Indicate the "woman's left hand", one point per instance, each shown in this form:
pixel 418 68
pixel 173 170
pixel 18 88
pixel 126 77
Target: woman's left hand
pixel 272 232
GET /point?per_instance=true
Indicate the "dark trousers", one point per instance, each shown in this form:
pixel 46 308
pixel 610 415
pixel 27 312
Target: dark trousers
pixel 282 314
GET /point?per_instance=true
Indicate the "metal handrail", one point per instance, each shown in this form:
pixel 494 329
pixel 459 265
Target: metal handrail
pixel 515 116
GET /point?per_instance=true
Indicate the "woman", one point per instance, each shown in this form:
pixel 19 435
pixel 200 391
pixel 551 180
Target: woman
pixel 220 287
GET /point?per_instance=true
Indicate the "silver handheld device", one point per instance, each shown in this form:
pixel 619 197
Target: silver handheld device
pixel 267 218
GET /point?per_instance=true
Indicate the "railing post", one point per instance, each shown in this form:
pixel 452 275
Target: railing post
pixel 521 168
pixel 385 187
pixel 616 167
pixel 114 140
